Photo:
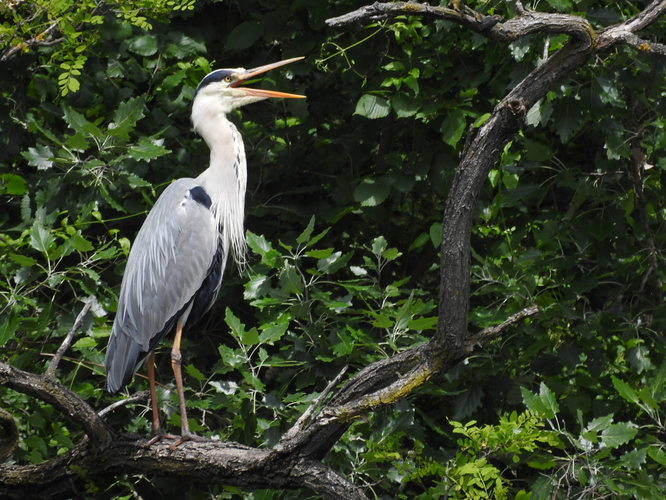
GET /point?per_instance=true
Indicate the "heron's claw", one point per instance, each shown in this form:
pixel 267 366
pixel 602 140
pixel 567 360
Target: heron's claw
pixel 158 437
pixel 184 438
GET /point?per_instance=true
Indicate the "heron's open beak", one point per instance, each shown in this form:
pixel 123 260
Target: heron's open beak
pixel 251 73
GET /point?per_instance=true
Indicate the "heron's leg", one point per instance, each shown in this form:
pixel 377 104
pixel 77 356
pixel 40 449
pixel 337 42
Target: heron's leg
pixel 150 367
pixel 157 431
pixel 176 362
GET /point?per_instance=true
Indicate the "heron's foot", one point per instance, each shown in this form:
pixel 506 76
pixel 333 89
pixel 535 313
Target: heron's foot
pixel 185 437
pixel 158 437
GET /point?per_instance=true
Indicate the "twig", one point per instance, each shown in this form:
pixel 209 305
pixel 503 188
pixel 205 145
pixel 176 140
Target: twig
pixel 300 423
pixel 139 396
pixel 50 371
pixel 493 331
pixel 37 41
pixel 644 45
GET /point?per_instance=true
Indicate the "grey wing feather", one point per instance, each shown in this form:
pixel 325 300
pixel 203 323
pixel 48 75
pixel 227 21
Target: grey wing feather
pixel 169 261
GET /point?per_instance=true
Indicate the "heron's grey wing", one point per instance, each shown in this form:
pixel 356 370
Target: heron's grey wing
pixel 168 263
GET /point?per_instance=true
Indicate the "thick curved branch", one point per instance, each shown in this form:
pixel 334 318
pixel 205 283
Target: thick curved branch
pixel 526 23
pixel 104 454
pixel 211 461
pixel 73 408
pixel 626 32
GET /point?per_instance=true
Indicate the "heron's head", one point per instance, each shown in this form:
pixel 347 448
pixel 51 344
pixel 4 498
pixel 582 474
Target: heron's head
pixel 220 90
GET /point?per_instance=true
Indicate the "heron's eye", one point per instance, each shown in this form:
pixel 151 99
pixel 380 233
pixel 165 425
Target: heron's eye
pixel 227 79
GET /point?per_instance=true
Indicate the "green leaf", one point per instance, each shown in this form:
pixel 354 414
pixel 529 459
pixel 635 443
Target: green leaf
pixel 307 232
pixel 136 182
pixel 77 242
pixel 231 357
pixel 34 442
pixel 244 36
pixel 256 286
pixel 144 45
pixel 435 233
pixel 510 180
pixel 567 117
pixel 85 343
pixel 657 454
pixel 372 106
pixel 320 254
pixel 193 372
pixel 371 192
pixel 624 390
pixel 332 263
pixel 14 184
pixel 634 459
pixel 260 246
pixel 290 280
pixel 561 5
pixel 41 238
pixel 39 156
pixel 618 434
pixel 423 323
pixel 78 122
pixel 234 323
pixel 549 400
pixel 391 254
pixel 147 149
pixel 8 327
pixel 419 241
pixel 404 106
pixel 274 332
pixel 599 423
pixel 126 116
pixel 481 120
pixel 379 244
pixel 250 337
pixel 543 404
pixel 22 260
pixel 453 127
pixel 346 345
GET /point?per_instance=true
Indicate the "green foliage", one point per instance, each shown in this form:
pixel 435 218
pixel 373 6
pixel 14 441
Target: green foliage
pixel 74 28
pixel 571 219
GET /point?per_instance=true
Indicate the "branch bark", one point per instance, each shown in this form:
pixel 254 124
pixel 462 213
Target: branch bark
pixel 294 461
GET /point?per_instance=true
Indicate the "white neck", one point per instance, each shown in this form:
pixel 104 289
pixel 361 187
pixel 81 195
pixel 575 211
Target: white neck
pixel 225 178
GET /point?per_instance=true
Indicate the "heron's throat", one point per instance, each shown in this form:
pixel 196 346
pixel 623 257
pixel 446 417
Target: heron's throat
pixel 225 181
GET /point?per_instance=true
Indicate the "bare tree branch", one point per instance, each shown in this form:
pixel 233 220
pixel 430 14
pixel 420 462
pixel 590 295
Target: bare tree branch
pixel 494 331
pixel 134 398
pixel 303 419
pixel 73 408
pixel 44 39
pixel 53 365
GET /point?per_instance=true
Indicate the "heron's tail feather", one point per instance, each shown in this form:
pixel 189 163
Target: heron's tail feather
pixel 123 355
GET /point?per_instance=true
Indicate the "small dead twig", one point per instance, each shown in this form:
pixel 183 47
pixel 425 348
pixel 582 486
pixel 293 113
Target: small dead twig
pixel 136 398
pixel 50 371
pixel 300 423
pixel 493 331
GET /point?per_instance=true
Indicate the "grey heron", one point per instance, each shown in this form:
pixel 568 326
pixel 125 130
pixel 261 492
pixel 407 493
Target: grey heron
pixel 174 270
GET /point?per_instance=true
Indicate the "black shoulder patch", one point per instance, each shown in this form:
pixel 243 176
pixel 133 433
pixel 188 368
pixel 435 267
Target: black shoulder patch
pixel 200 195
